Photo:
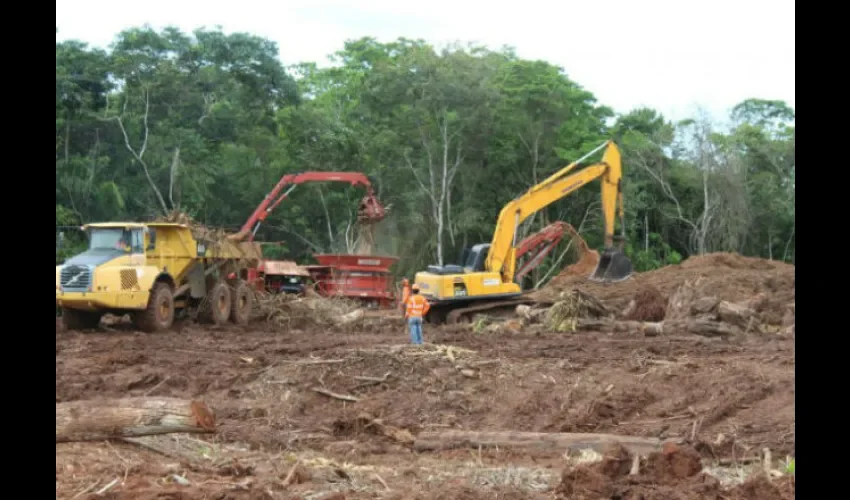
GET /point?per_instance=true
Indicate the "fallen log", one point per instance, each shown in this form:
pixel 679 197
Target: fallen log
pixel 736 314
pixel 131 417
pixel 704 327
pixel 348 318
pixel 698 326
pixel 531 315
pixel 538 441
pixel 704 305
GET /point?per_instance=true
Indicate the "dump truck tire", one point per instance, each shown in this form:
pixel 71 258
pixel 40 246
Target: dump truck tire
pixel 159 315
pixel 241 303
pixel 73 319
pixel 217 304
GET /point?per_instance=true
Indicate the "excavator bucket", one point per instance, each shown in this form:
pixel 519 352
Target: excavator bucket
pixel 613 266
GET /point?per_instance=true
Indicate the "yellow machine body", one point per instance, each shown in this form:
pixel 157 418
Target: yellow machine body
pixel 488 272
pixel 125 260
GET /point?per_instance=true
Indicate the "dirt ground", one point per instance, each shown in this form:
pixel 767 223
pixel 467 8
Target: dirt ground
pixel 279 439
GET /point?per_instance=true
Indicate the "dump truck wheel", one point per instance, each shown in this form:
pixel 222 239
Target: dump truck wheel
pixel 73 319
pixel 241 303
pixel 159 315
pixel 217 304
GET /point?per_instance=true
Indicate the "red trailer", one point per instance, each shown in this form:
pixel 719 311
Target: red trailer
pixel 363 277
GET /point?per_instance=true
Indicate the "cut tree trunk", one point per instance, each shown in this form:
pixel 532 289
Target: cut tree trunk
pixel 130 417
pixel 529 314
pixel 348 318
pixel 596 325
pixel 539 441
pixel 704 305
pixel 737 314
pixel 698 326
pixel 704 327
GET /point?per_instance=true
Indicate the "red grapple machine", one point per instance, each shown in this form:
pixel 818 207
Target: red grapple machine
pixel 370 209
pixel 365 278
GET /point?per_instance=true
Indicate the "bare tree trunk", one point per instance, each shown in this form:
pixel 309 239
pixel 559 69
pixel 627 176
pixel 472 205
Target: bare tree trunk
pixel 175 162
pixel 139 155
pixel 331 238
pixel 130 417
pixel 769 244
pixel 440 181
pixel 788 244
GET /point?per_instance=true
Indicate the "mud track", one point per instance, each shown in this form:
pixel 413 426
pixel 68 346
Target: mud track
pixel 733 398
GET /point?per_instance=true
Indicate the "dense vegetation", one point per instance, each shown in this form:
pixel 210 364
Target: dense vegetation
pixel 208 123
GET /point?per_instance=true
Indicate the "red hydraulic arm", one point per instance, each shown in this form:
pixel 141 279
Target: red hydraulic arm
pixel 370 208
pixel 537 246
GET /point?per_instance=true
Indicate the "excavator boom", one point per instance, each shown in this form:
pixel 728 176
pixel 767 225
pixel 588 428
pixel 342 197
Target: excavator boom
pixel 613 265
pixel 487 278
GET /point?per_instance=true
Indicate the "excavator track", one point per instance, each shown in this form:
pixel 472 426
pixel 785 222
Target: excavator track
pixel 461 313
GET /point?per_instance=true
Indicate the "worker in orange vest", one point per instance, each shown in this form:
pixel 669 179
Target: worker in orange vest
pixel 416 307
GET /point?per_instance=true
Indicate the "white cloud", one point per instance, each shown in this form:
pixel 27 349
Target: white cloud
pixel 666 54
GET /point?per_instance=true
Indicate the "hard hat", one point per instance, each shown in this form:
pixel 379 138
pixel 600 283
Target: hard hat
pixel 415 287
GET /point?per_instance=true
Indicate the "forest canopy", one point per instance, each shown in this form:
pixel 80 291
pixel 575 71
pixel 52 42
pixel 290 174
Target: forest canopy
pixel 208 122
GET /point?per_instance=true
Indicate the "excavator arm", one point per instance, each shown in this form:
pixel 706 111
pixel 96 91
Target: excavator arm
pixel 501 257
pixel 369 209
pixel 536 247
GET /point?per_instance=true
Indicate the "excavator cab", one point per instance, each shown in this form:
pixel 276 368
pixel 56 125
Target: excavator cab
pixel 613 266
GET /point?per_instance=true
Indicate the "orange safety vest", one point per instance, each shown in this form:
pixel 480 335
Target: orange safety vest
pixel 417 306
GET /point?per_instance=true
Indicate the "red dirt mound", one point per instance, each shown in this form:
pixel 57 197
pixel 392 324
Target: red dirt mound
pixel 649 305
pixel 727 276
pixel 672 474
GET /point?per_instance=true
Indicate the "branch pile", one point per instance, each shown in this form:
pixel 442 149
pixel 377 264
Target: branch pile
pixel 687 311
pixel 717 294
pixel 730 277
pixel 572 306
pixel 199 231
pixel 290 311
pixel 690 304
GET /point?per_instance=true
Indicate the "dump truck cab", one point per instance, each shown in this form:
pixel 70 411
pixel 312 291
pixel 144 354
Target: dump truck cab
pixel 106 276
pixel 150 270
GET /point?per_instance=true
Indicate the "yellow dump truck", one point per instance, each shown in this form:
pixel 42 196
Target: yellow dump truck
pixel 152 270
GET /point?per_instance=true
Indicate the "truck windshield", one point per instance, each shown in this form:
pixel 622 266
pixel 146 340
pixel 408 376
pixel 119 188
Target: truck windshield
pixel 109 239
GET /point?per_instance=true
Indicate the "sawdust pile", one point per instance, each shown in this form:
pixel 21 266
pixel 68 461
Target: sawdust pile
pixel 674 473
pixel 291 311
pixel 767 286
pixel 586 258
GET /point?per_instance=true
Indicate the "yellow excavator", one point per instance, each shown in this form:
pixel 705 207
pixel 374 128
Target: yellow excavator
pixel 487 278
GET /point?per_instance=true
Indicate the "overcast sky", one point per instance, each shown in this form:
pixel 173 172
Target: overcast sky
pixel 667 54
